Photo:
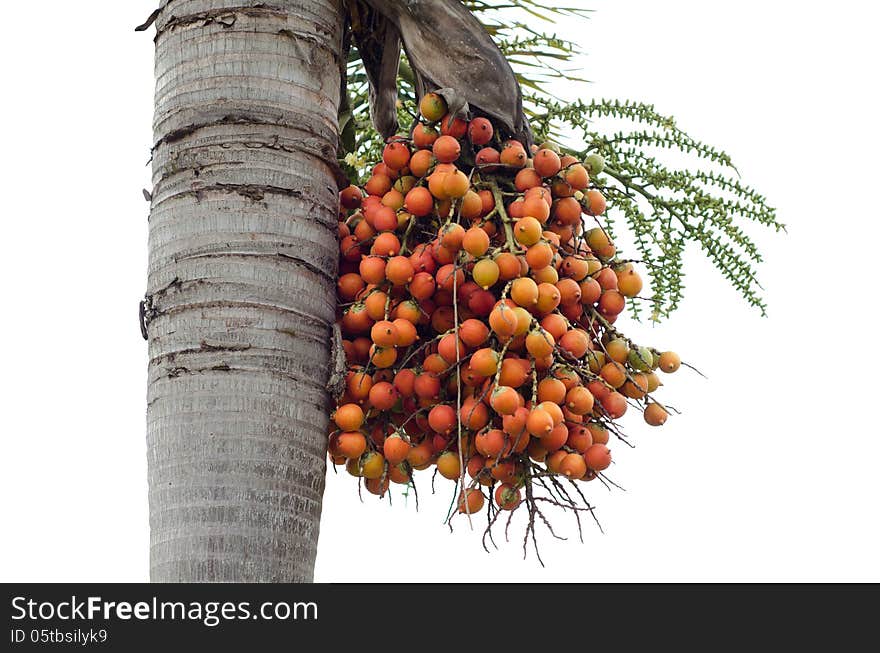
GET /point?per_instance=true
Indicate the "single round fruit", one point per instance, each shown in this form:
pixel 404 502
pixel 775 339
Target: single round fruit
pixel 433 107
pixel 598 457
pixel 669 362
pixel 349 417
pixel 449 466
pixel 655 414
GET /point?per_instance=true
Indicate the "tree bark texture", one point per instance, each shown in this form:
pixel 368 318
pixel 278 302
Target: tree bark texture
pixel 241 286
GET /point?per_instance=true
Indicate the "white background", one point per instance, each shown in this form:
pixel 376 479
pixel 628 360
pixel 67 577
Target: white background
pixel 771 472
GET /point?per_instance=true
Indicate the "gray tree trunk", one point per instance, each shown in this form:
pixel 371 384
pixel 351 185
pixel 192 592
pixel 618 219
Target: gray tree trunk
pixel 241 290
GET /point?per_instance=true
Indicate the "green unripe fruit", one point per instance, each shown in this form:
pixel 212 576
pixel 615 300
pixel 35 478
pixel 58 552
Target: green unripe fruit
pixel 595 164
pixel 641 359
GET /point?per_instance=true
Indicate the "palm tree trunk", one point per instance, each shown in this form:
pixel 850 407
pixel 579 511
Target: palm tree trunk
pixel 241 291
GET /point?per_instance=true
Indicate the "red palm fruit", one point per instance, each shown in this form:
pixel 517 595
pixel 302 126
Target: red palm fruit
pixel 441 418
pixel 421 454
pixel 490 443
pixel 448 465
pixel 614 405
pixel 606 279
pixel 378 184
pixel 427 385
pixel 503 470
pixel 384 334
pixel 474 414
pixel 524 292
pixel 406 332
pixel 514 372
pixel 484 362
pixel 433 107
pixel 515 425
pixel 407 310
pixel 573 466
pixel 527 231
pixel 554 460
pixel 386 244
pixel 550 389
pixel 540 343
pixel 508 266
pixel 553 410
pixel 473 332
pixel 546 163
pixel 396 155
pixel 503 321
pixel 422 259
pixel 449 277
pixel 399 270
pixel 358 384
pixel 567 211
pixel 556 438
pixel 424 136
pixel 404 382
pixel 480 131
pixel 421 162
pixel 372 269
pixel 471 206
pixel 579 437
pixel 475 242
pixel 579 400
pixel 569 291
pixel 351 444
pixel 422 286
pixel 455 127
pixel 488 156
pixel 575 267
pixel 451 237
pixel 481 303
pixel 591 291
pixel 539 255
pixel 598 432
pixel 383 357
pixel 351 197
pixel 655 414
pixel 349 286
pixel 555 324
pixel 471 501
pixel 514 154
pixel 508 497
pixel 356 320
pixel 383 396
pixel 539 422
pixel 419 201
pixel 361 347
pixel 577 177
pixel 573 312
pixel 598 457
pixel 548 298
pixel 614 374
pixel 575 342
pixel 395 449
pixel 442 255
pixel 596 202
pixel 446 149
pixel 349 248
pixel 536 207
pixel 456 185
pixel 611 303
pixel 451 348
pixel 504 400
pixel 527 178
pixel 349 417
pixel 435 363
